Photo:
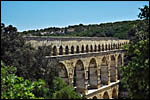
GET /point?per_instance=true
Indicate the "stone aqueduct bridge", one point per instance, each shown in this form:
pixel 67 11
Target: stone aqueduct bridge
pixel 91 65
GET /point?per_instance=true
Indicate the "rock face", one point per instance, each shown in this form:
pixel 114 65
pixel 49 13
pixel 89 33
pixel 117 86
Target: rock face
pixel 89 64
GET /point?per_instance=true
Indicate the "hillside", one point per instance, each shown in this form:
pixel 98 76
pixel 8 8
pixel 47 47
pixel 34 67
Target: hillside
pixel 117 29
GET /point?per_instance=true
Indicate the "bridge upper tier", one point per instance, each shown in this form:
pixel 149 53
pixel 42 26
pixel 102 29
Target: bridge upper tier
pixel 48 38
pixel 71 45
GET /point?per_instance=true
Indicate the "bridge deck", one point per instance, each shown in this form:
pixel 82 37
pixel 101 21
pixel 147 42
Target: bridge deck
pixel 103 88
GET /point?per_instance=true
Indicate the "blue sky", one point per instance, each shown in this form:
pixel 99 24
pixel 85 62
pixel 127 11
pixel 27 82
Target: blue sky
pixel 27 15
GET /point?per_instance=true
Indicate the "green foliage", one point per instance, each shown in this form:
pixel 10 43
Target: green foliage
pixel 31 65
pixel 66 93
pixel 58 84
pixel 14 87
pixel 116 29
pixel 30 62
pixel 144 12
pixel 136 73
pixel 62 91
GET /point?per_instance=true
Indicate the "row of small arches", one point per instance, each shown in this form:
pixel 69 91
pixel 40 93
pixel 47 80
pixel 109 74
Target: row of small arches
pixel 87 48
pixel 106 95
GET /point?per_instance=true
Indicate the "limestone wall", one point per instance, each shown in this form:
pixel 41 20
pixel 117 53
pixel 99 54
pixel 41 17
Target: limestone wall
pixel 86 63
pixel 63 46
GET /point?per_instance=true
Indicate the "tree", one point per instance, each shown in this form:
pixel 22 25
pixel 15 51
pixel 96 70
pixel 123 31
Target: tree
pixel 30 62
pixel 31 66
pixel 62 91
pixel 136 73
pixel 14 87
pixel 144 12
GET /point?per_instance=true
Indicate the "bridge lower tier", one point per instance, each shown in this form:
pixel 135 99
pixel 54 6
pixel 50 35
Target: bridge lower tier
pixel 106 92
pixel 91 73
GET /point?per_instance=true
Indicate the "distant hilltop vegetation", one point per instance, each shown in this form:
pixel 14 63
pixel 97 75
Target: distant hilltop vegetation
pixel 121 30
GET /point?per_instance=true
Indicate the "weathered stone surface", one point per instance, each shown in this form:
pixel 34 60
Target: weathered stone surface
pixel 82 59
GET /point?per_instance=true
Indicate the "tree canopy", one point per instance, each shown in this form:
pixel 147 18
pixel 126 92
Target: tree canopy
pixel 136 73
pixel 115 29
pixel 32 75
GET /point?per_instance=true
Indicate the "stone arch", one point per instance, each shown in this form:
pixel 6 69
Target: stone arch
pixel 113 69
pixel 105 95
pixel 72 49
pixel 104 72
pixel 95 48
pixel 66 50
pixel 87 48
pixel 119 63
pixel 92 74
pixel 60 50
pixel 94 97
pixel 63 73
pixel 54 51
pixel 91 48
pixel 114 94
pixel 77 49
pixel 82 49
pixel 79 76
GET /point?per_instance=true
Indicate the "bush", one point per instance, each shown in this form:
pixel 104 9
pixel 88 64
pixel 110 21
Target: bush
pixel 14 87
pixel 62 91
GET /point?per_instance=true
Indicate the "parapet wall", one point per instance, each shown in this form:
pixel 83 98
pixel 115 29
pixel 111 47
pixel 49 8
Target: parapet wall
pixel 72 45
pixel 48 38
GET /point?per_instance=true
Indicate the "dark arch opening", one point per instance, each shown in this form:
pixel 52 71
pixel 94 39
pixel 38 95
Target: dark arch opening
pixel 114 94
pixel 77 49
pixel 102 47
pixel 117 46
pixel 94 97
pixel 104 72
pixel 92 74
pixel 106 47
pixel 60 50
pixel 66 50
pixel 99 47
pixel 113 69
pixel 72 49
pixel 54 51
pixel 106 96
pixel 95 48
pixel 82 49
pixel 91 50
pixel 79 77
pixel 63 72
